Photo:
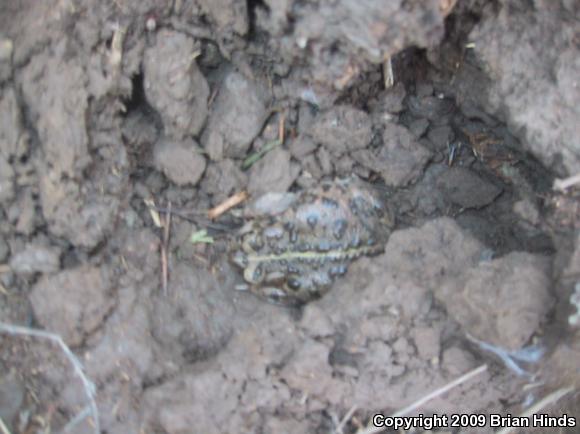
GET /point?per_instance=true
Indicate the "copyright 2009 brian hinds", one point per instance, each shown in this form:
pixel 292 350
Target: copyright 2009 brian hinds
pixel 458 420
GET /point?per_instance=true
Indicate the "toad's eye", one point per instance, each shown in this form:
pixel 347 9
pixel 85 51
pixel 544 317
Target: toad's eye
pixel 293 283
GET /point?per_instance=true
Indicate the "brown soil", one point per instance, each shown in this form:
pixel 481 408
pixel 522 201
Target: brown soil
pixel 116 114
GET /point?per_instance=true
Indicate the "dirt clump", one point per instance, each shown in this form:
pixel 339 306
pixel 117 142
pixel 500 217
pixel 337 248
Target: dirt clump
pixel 174 85
pixel 123 123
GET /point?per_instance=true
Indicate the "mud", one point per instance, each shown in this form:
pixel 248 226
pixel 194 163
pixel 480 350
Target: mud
pixel 122 123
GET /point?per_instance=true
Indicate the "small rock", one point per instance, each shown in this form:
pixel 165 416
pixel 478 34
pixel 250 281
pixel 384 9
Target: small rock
pixel 84 213
pixel 457 361
pixel 240 110
pixel 427 342
pixel 392 100
pixel 324 160
pixel 342 129
pixel 527 210
pixel 308 362
pixel 223 179
pixel 229 16
pixel 441 136
pixel 430 107
pixel 25 223
pixel 302 146
pixel 273 173
pixel 424 89
pixel 400 160
pixel 316 322
pixel 466 189
pixel 181 162
pixel 344 166
pixel 418 127
pixel 35 259
pixel 271 203
pixel 311 166
pixel 306 117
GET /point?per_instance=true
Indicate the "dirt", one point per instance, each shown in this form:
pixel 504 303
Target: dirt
pixel 115 115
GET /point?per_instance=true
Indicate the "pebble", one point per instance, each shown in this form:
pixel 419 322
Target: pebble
pixel 181 162
pixel 35 259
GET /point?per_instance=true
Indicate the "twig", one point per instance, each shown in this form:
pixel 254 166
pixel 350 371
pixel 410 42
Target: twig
pixel 199 218
pixel 563 184
pixel 550 399
pixel 165 249
pixel 406 410
pixel 227 204
pixel 88 385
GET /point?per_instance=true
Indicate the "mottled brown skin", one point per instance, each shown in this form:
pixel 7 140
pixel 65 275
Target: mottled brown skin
pixel 295 256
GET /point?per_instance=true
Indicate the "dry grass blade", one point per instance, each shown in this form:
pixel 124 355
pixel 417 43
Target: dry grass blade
pixel 256 156
pixel 540 405
pixel 370 429
pixel 227 204
pixel 88 385
pixel 3 428
pixel 116 54
pixel 388 76
pixel 253 158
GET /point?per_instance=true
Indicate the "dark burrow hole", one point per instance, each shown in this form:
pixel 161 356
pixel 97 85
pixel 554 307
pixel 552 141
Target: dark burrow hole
pixel 252 6
pixel 486 157
pixel 142 124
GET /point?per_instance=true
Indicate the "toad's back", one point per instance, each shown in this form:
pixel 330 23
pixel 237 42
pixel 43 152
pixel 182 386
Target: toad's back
pixel 295 256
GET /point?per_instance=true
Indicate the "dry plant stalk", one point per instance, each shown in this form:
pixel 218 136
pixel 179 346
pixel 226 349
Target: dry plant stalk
pixel 227 204
pixel 370 429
